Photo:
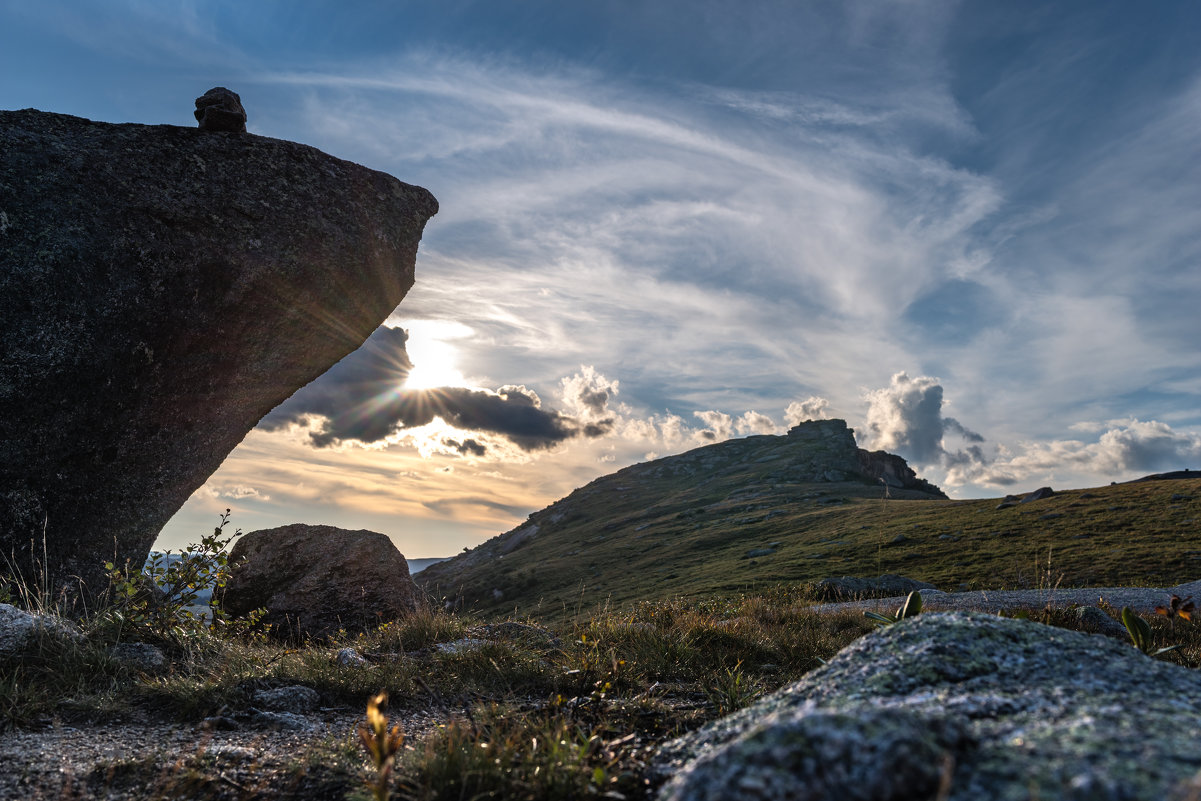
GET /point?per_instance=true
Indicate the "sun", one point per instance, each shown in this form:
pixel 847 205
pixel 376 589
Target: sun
pixel 434 355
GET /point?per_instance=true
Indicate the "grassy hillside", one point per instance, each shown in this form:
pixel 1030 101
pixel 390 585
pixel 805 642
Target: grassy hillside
pixel 700 525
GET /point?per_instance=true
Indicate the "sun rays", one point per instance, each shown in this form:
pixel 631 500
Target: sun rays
pixel 432 349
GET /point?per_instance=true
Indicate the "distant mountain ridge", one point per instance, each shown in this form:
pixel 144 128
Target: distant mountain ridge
pixel 724 486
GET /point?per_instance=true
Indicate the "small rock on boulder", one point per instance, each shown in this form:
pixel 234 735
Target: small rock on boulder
pixel 219 109
pixel 851 587
pixel 314 580
pixel 962 707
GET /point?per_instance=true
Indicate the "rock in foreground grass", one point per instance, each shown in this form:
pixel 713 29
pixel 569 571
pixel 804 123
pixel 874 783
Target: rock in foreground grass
pixel 958 706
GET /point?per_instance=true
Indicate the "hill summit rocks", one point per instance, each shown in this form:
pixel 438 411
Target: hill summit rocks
pixel 161 289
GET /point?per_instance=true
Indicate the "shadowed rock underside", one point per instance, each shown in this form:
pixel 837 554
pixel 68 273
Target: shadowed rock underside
pixel 162 288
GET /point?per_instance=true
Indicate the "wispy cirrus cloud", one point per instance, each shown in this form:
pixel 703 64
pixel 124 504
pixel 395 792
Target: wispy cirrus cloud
pixel 759 219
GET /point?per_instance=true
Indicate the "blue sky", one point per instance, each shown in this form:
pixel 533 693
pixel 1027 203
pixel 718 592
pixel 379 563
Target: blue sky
pixel 969 229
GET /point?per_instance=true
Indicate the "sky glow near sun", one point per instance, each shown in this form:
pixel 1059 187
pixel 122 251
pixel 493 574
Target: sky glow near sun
pixel 432 348
pixel 969 229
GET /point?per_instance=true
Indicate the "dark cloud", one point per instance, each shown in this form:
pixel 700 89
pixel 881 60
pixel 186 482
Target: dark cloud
pixel 448 505
pixel 468 446
pixel 594 400
pixel 951 424
pixel 363 398
pixel 598 428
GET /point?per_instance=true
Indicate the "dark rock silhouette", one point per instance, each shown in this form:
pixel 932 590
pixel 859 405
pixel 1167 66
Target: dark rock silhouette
pixel 161 289
pixel 314 580
pixel 219 109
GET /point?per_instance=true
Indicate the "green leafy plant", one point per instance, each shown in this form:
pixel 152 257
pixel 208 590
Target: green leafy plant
pixel 154 600
pixel 911 608
pixel 1140 633
pixel 731 690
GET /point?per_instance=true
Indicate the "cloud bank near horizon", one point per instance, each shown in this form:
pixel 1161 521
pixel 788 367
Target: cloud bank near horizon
pixel 363 401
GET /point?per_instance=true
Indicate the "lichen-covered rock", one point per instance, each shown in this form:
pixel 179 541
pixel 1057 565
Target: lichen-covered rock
pixel 295 698
pixel 140 656
pixel 958 706
pixel 314 580
pixel 349 657
pixel 20 631
pixel 161 289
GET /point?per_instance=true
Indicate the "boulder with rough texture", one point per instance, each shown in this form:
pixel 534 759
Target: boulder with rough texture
pixel 20 631
pixel 220 109
pixel 1039 494
pixel 852 587
pixel 161 289
pixel 295 698
pixel 140 656
pixel 963 707
pixel 314 580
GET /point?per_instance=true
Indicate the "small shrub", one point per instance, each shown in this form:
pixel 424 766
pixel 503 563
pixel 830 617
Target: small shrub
pixel 152 602
pixel 731 690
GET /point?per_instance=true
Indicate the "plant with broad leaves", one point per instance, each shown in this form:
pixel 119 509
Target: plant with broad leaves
pixel 1140 633
pixel 911 608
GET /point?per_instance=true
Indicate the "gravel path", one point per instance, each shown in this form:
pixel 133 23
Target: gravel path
pixel 85 761
pixel 1141 599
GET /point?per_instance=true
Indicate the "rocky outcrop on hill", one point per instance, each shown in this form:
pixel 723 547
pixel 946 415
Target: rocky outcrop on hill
pixel 314 580
pixel 962 706
pixel 817 451
pixel 162 288
pixel 739 492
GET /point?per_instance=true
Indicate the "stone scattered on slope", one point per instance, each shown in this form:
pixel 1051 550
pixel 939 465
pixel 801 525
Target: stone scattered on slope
pixel 770 471
pixel 295 698
pixel 959 706
pixel 161 289
pixel 314 580
pixel 853 587
pixel 140 656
